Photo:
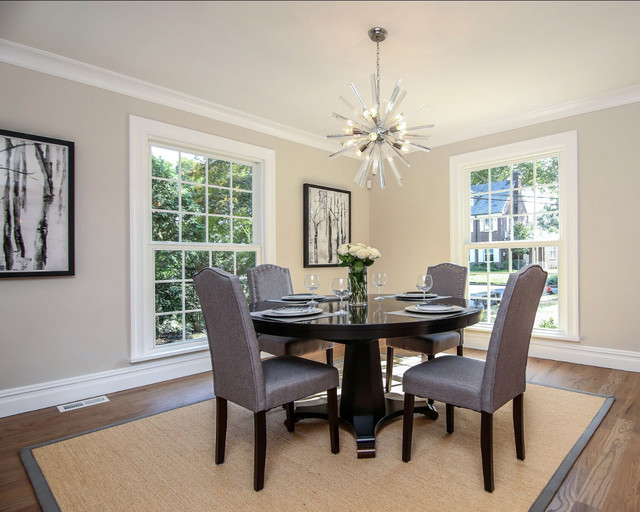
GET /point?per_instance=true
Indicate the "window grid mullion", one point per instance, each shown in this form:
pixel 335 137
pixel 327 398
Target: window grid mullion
pixel 535 245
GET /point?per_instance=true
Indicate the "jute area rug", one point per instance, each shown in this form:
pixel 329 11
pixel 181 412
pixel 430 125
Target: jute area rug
pixel 165 462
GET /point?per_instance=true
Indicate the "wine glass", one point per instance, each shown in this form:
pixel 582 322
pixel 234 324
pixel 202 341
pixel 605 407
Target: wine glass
pixel 379 279
pixel 380 315
pixel 341 289
pixel 424 284
pixel 312 282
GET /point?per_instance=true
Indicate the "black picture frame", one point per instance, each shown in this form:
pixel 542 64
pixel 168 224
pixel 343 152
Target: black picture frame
pixel 327 224
pixel 36 206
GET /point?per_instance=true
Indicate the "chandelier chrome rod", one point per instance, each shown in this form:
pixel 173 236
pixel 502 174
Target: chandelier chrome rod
pixel 394 108
pixel 348 146
pixel 413 128
pixel 382 133
pixel 355 91
pixel 355 110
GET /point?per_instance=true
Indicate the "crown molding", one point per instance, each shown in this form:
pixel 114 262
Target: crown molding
pixel 611 99
pixel 62 67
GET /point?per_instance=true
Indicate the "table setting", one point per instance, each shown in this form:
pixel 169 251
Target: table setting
pixel 358 322
pixel 299 307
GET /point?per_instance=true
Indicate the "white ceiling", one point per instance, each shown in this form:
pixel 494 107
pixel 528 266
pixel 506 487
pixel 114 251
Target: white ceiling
pixel 478 65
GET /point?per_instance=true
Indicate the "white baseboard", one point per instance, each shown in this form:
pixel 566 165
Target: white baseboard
pixel 568 352
pixel 47 394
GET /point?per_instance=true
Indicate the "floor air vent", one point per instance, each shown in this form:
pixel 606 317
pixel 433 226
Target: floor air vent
pixel 82 403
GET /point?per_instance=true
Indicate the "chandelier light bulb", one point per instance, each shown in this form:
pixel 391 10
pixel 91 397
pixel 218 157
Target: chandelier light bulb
pixel 378 130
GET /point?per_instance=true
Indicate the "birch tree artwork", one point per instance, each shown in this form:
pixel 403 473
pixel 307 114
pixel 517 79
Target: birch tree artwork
pixel 36 176
pixel 327 224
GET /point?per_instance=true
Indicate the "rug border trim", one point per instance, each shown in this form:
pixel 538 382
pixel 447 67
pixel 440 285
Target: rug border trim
pixel 43 492
pixel 549 491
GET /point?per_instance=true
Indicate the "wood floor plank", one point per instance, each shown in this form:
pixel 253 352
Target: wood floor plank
pixel 624 492
pixel 597 482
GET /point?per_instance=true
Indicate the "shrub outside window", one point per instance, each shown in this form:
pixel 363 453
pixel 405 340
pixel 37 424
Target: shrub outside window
pixel 197 201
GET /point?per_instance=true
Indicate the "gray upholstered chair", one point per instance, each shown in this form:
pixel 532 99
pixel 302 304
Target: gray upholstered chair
pixel 479 385
pixel 449 280
pixel 272 282
pixel 241 377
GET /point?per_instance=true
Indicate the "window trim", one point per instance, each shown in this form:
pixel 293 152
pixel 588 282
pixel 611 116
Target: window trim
pixel 566 144
pixel 142 133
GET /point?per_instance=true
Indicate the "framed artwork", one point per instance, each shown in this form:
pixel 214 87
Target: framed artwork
pixel 36 203
pixel 327 224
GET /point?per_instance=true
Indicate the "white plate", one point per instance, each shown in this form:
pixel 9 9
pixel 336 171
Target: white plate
pixel 291 311
pixel 416 296
pixel 433 308
pixel 302 296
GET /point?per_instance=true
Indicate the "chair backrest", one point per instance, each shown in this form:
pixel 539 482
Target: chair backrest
pixel 448 279
pixel 268 282
pixel 235 357
pixel 506 363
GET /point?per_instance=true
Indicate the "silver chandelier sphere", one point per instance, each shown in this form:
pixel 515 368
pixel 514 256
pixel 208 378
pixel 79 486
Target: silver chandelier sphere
pixel 379 132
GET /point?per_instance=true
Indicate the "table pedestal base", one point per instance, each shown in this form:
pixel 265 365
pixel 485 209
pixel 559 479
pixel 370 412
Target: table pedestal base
pixel 362 402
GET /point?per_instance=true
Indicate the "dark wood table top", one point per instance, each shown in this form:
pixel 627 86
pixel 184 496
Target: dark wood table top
pixel 366 323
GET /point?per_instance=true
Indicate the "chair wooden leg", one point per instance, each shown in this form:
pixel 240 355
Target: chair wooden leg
pixel 407 426
pixel 330 356
pixel 389 369
pixel 486 444
pixel 518 425
pixel 459 349
pixel 450 418
pixel 221 428
pixel 334 431
pixel 290 422
pixel 259 448
pixel 430 357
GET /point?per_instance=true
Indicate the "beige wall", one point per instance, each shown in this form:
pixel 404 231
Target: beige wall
pixel 410 225
pixel 55 328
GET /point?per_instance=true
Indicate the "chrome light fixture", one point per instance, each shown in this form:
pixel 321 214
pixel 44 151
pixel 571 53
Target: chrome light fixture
pixel 379 132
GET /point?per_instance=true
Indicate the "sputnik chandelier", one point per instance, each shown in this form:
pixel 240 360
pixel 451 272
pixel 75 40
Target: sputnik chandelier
pixel 379 132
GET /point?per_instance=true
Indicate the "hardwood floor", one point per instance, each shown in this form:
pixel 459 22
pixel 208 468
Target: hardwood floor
pixel 605 478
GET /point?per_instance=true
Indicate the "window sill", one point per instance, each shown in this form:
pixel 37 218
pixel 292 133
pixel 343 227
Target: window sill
pixel 170 351
pixel 538 334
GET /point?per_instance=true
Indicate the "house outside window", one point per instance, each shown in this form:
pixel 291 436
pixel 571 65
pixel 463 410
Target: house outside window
pixel 196 201
pixel 523 199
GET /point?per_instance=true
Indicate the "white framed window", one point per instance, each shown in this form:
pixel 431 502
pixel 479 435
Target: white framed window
pixel 196 200
pixel 524 196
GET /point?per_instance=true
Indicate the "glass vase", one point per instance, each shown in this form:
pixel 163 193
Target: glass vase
pixel 358 285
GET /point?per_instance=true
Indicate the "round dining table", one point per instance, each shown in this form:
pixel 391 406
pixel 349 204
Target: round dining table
pixel 363 404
